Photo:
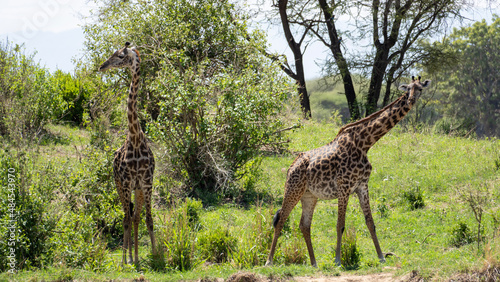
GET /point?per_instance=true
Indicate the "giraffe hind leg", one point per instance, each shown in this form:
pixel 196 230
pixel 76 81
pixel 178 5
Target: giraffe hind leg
pixel 293 192
pixel 364 201
pixel 149 218
pixel 139 202
pixel 127 207
pixel 308 201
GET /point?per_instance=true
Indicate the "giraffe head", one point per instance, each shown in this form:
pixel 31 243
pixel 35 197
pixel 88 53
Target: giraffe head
pixel 124 57
pixel 415 87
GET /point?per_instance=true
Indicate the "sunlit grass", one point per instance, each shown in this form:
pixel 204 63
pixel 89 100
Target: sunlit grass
pixel 419 238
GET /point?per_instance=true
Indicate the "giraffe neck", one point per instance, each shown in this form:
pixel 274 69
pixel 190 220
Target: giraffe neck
pixel 135 134
pixel 370 129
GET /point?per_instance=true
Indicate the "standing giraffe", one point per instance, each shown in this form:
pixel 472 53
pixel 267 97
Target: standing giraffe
pixel 134 162
pixel 339 169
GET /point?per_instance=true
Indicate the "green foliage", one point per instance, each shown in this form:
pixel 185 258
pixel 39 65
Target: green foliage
pixel 293 249
pixel 471 88
pixel 214 100
pixel 27 224
pixel 72 94
pixel 349 253
pixel 414 197
pixel 177 239
pixel 382 207
pixel 215 245
pixel 86 250
pixel 461 235
pixel 26 105
pixel 254 245
pixel 31 97
pixel 456 127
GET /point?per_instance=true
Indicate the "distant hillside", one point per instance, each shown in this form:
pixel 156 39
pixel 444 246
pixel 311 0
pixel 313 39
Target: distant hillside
pixel 327 96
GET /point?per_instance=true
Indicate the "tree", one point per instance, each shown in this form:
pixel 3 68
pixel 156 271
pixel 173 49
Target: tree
pixel 473 85
pixel 212 98
pixel 394 27
pixel 296 48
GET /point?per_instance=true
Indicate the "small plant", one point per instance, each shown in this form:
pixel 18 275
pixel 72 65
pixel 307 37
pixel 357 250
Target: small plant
pixel 461 235
pixel 382 207
pixel 349 253
pixel 253 247
pixel 415 198
pixel 294 250
pixel 478 199
pixel 178 239
pixel 215 245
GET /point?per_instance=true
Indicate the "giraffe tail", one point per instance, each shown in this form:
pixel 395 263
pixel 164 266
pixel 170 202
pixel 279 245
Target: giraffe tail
pixel 131 209
pixel 276 218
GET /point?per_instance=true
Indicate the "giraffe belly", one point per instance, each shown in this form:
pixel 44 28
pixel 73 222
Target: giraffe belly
pixel 325 189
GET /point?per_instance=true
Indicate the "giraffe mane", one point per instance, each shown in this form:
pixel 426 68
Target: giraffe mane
pixel 137 52
pixel 372 115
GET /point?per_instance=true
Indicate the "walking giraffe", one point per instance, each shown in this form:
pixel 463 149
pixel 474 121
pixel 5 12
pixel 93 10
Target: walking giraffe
pixel 339 169
pixel 134 162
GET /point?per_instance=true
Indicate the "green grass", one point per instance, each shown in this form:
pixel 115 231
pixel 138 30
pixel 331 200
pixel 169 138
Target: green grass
pixel 420 238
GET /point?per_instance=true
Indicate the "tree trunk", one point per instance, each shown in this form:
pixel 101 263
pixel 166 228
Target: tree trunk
pixel 299 66
pixel 379 66
pixel 350 93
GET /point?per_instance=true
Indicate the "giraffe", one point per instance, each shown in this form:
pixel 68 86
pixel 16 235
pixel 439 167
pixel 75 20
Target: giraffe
pixel 134 164
pixel 339 169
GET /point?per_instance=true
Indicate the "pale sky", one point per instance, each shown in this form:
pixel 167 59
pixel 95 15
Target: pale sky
pixel 53 29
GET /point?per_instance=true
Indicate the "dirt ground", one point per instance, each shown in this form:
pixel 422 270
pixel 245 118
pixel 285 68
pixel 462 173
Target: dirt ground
pixel 378 277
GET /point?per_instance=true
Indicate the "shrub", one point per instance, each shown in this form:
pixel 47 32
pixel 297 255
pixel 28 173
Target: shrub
pixel 349 253
pixel 293 246
pixel 212 100
pixel 415 198
pixel 79 244
pixel 215 245
pixel 25 104
pixel 177 240
pixel 461 235
pixel 253 245
pixel 27 224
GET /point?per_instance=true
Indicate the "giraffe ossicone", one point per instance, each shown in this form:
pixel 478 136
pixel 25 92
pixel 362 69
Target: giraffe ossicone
pixel 339 169
pixel 133 165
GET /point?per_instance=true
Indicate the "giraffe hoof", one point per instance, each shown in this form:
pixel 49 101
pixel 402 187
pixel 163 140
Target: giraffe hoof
pixel 269 263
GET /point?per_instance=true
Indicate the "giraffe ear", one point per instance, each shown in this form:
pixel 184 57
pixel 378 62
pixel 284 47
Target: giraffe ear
pixel 403 87
pixel 426 83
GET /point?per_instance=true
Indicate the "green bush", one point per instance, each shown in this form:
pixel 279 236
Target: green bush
pixel 349 253
pixel 79 244
pixel 27 223
pixel 414 197
pixel 215 245
pixel 253 246
pixel 461 235
pixel 293 247
pixel 177 240
pixel 209 98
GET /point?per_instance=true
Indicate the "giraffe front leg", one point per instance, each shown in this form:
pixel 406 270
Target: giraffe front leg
pixel 342 208
pixel 308 204
pixel 364 201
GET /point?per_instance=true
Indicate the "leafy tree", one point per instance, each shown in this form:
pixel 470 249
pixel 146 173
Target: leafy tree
pixel 72 94
pixel 473 85
pixel 388 29
pixel 210 98
pixel 26 104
